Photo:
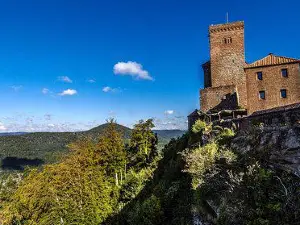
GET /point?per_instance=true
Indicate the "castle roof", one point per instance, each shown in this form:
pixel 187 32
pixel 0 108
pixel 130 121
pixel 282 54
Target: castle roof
pixel 271 60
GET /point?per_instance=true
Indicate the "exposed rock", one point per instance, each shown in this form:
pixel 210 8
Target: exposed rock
pixel 292 140
pixel 282 142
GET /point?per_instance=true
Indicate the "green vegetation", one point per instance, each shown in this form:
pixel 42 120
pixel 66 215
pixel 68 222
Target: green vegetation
pixel 50 147
pixel 201 179
pixel 196 178
pixel 95 180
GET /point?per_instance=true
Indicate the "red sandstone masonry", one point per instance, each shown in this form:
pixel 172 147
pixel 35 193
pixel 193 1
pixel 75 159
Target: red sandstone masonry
pixel 272 83
pixel 227 61
pixel 227 72
pixel 210 97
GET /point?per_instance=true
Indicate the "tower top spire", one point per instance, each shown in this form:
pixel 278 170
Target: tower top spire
pixel 227 18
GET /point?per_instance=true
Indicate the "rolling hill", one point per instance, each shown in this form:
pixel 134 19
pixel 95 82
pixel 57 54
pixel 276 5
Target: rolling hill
pixel 48 147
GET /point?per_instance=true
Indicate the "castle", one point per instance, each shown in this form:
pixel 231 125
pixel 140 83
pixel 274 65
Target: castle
pixel 234 87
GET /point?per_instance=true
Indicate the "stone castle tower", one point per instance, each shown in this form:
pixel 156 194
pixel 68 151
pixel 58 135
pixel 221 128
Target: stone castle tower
pixel 235 89
pixel 224 75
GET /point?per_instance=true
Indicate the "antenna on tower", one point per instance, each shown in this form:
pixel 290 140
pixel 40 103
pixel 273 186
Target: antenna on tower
pixel 227 20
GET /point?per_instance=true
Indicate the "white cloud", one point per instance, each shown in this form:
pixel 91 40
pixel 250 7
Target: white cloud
pixel 170 123
pixel 16 88
pixel 45 91
pixel 2 127
pixel 91 81
pixel 28 123
pixel 108 89
pixel 48 117
pixel 169 112
pixel 65 79
pixel 68 92
pixel 133 69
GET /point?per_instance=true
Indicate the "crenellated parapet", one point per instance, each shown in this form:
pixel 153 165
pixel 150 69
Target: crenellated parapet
pixel 226 27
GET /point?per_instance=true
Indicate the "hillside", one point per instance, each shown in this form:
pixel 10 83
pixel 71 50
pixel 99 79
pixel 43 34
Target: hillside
pixel 48 147
pixel 248 178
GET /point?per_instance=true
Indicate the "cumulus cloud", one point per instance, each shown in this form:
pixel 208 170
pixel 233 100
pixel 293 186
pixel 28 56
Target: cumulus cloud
pixel 133 69
pixel 170 124
pixel 91 81
pixel 65 79
pixel 169 112
pixel 16 87
pixel 29 123
pixel 68 92
pixel 2 127
pixel 108 89
pixel 45 91
pixel 171 120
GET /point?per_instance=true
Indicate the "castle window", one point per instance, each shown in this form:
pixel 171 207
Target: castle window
pixel 262 95
pixel 284 73
pixel 283 93
pixel 228 40
pixel 259 75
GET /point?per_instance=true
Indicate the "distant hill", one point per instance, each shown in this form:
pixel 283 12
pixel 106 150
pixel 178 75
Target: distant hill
pixel 96 131
pixel 48 147
pixel 12 133
pixel 168 134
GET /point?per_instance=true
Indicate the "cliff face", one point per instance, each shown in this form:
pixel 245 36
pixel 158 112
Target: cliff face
pixel 261 186
pixel 281 145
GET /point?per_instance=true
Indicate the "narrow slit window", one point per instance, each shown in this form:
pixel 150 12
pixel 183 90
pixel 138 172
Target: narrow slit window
pixel 262 95
pixel 259 75
pixel 284 73
pixel 283 93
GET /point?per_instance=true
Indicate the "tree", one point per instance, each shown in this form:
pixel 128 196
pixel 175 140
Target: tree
pixel 80 190
pixel 143 141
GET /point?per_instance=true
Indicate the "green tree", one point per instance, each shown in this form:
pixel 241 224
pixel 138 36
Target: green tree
pixel 147 213
pixel 143 141
pixel 82 189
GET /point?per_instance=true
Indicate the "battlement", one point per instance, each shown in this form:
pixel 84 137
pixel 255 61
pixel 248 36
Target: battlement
pixel 239 25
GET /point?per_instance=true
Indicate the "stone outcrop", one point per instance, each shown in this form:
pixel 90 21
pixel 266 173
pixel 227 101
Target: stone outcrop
pixel 282 143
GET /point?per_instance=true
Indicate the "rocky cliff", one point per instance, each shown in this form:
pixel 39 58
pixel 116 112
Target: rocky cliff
pixel 281 143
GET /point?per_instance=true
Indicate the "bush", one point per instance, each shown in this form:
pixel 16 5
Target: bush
pixel 147 213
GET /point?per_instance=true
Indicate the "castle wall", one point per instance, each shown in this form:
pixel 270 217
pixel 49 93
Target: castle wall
pixel 272 83
pixel 227 72
pixel 227 53
pixel 213 96
pixel 227 61
pixel 207 74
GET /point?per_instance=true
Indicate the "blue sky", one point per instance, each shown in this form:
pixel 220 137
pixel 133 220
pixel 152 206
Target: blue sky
pixel 64 64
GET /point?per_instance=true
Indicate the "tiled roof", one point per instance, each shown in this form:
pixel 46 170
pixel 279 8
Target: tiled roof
pixel 271 60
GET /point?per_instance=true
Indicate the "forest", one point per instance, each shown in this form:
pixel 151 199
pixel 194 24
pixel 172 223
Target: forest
pixel 199 178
